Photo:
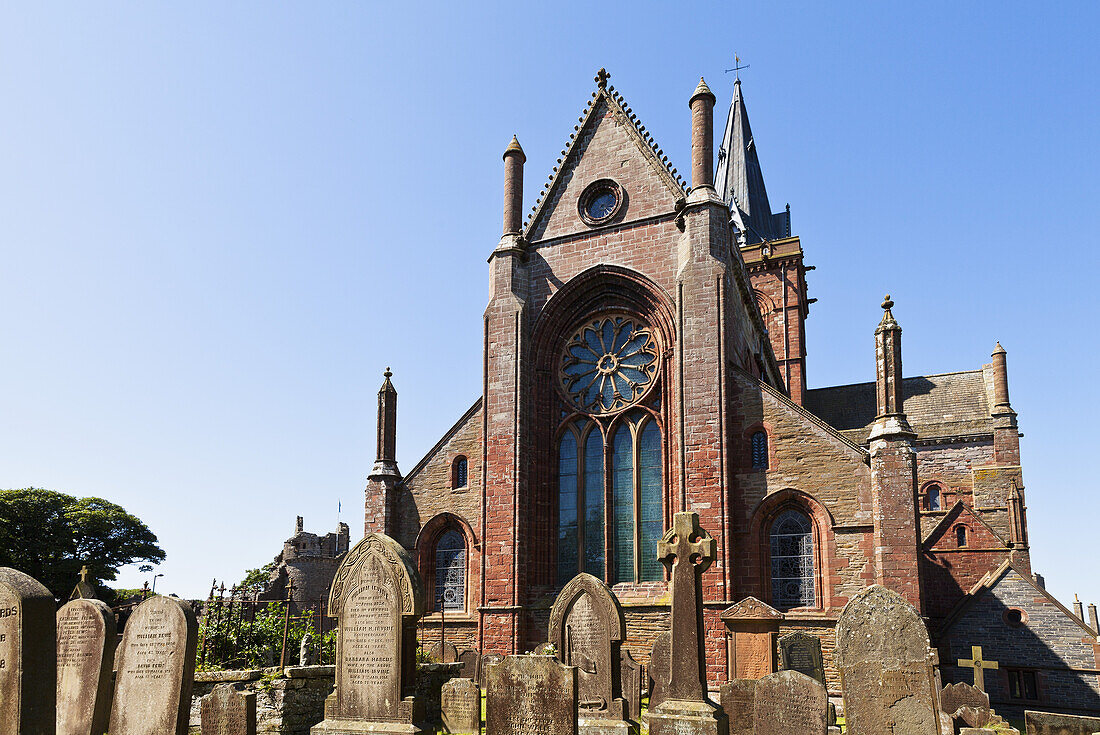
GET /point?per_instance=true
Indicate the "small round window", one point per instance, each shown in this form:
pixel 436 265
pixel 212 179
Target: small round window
pixel 600 201
pixel 1014 617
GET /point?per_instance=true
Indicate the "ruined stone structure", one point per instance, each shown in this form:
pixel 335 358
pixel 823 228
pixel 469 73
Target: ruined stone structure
pixel 310 562
pixel 645 354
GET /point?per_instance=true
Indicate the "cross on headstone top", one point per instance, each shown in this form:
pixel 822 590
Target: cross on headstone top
pixel 687 542
pixel 979 665
pixel 84 572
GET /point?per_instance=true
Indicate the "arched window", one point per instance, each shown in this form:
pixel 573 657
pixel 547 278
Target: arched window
pixel 932 497
pixel 960 536
pixel 792 561
pixel 459 473
pixel 636 524
pixel 759 450
pixel 450 571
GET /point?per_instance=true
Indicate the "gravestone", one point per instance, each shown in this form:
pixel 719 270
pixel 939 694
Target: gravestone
pixel 753 627
pixel 954 696
pixel 738 698
pixel 377 597
pixel 1049 723
pixel 487 661
pixel 801 652
pixel 531 695
pixel 658 669
pixel 156 669
pixel 85 658
pixel 631 677
pixel 460 703
pixel 469 660
pixel 228 711
pixel 790 702
pixel 687 551
pixel 442 653
pixel 28 664
pixel 885 666
pixel 307 651
pixel 587 628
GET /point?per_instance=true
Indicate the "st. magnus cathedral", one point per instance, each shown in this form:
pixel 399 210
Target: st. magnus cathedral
pixel 645 353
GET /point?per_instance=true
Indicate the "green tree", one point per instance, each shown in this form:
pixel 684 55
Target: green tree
pixel 51 535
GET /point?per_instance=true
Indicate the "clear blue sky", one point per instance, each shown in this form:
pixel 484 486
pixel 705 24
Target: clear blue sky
pixel 218 225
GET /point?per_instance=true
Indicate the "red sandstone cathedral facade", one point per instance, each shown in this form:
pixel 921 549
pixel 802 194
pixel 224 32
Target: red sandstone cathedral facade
pixel 645 353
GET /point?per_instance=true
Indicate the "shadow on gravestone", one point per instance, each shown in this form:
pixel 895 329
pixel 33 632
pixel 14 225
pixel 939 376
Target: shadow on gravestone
pixel 460 705
pixel 228 711
pixel 658 670
pixel 86 641
pixel 28 663
pixel 156 669
pixel 378 598
pixel 469 660
pixel 630 672
pixel 1049 723
pixel 885 664
pixel 530 695
pixel 487 661
pixel 587 628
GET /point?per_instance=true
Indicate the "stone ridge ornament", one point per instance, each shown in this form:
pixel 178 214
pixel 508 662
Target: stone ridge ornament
pixel 885 665
pixel 86 640
pixel 687 551
pixel 530 695
pixel 378 598
pixel 587 627
pixel 228 711
pixel 156 669
pixel 28 667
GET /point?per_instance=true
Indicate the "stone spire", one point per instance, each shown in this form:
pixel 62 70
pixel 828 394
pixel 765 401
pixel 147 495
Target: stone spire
pixel 1006 434
pixel 890 414
pixel 740 182
pixel 386 463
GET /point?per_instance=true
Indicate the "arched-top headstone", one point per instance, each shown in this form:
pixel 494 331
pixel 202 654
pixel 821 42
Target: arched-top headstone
pixel 85 658
pixel 378 597
pixel 156 669
pixel 28 667
pixel 885 664
pixel 587 627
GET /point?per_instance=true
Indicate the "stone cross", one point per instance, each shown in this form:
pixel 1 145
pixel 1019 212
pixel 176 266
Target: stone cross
pixel 687 551
pixel 979 665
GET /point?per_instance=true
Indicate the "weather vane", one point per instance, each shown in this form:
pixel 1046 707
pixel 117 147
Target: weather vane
pixel 737 67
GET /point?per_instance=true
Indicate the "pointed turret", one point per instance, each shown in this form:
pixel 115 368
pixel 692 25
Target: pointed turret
pixel 381 492
pixel 740 182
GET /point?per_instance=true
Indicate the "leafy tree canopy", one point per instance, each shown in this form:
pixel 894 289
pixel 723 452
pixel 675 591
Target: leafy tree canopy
pixel 51 535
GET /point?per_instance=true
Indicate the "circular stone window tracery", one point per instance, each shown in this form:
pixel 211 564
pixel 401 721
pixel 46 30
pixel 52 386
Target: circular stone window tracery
pixel 610 363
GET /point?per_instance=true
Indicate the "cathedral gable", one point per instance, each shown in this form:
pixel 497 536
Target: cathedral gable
pixel 609 146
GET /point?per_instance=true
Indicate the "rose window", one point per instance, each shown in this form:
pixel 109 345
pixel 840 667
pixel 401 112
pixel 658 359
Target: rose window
pixel 609 364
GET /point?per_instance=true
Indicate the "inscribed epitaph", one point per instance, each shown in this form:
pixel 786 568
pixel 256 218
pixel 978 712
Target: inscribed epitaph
pixel 85 658
pixel 587 627
pixel 378 597
pixel 227 711
pixel 790 702
pixel 738 698
pixel 687 551
pixel 753 627
pixel 460 704
pixel 1049 723
pixel 28 667
pixel 156 669
pixel 885 666
pixel 530 695
pixel 801 652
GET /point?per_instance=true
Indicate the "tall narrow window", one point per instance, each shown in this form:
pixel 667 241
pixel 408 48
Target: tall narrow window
pixel 932 498
pixel 450 571
pixel 960 536
pixel 759 450
pixel 792 561
pixel 652 520
pixel 622 469
pixel 567 507
pixel 593 503
pixel 460 470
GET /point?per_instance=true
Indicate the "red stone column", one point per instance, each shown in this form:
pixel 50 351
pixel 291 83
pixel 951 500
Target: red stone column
pixel 702 136
pixel 1006 433
pixel 380 502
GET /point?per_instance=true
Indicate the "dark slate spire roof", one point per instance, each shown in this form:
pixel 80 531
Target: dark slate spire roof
pixel 740 182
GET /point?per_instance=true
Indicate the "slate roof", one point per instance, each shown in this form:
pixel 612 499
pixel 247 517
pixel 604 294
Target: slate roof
pixel 937 406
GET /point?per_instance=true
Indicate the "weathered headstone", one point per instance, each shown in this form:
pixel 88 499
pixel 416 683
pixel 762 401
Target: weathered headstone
pixel 790 702
pixel 378 598
pixel 307 651
pixel 801 652
pixel 156 669
pixel 1049 723
pixel 28 665
pixel 885 666
pixel 658 669
pixel 531 695
pixel 487 661
pixel 687 551
pixel 954 696
pixel 469 660
pixel 587 627
pixel 85 658
pixel 631 677
pixel 442 653
pixel 228 711
pixel 738 698
pixel 460 702
pixel 753 627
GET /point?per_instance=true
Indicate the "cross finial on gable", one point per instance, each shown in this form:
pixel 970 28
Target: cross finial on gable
pixel 601 77
pixel 84 572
